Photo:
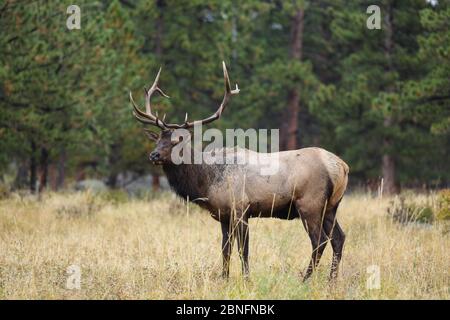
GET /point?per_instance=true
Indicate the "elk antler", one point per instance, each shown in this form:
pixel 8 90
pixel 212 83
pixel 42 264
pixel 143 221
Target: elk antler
pixel 218 113
pixel 148 117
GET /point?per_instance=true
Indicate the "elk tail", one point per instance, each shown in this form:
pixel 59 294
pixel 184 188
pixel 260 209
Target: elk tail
pixel 338 178
pixel 339 183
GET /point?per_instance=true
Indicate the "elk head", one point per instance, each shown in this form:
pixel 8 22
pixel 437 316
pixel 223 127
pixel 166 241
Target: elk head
pixel 169 137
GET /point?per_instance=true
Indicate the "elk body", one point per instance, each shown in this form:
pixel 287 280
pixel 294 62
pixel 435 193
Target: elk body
pixel 309 184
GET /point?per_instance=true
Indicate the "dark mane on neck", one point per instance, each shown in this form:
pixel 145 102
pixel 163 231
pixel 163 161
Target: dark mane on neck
pixel 192 180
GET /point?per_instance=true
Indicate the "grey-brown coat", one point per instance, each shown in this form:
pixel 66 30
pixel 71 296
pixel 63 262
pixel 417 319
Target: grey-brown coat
pixel 309 184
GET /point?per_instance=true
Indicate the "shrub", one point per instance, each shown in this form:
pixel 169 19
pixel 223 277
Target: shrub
pixel 115 196
pixel 4 191
pixel 443 211
pixel 84 204
pixel 407 211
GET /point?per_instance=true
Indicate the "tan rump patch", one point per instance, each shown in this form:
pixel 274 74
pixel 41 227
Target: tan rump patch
pixel 338 173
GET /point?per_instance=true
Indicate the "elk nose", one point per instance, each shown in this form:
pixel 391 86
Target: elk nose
pixel 154 156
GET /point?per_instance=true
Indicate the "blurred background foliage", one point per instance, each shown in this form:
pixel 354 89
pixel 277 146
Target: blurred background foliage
pixel 380 99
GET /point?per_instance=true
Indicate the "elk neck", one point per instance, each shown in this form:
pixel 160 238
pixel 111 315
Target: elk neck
pixel 193 180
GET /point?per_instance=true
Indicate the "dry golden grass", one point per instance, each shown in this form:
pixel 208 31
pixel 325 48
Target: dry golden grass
pixel 161 249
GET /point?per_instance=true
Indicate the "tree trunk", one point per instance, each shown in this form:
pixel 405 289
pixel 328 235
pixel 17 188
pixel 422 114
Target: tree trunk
pixel 159 29
pixel 44 169
pixel 80 173
pixel 390 186
pixel 112 180
pixel 289 128
pixel 113 166
pixel 33 168
pixel 20 181
pixel 159 33
pixel 61 169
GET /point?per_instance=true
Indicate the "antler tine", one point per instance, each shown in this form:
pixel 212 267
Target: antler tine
pixel 136 110
pixel 227 81
pixel 143 120
pixel 141 116
pixel 161 92
pixel 149 92
pixel 148 117
pixel 155 83
pixel 228 91
pixel 226 77
pixel 157 121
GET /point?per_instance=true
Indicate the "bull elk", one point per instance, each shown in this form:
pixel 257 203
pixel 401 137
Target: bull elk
pixel 309 185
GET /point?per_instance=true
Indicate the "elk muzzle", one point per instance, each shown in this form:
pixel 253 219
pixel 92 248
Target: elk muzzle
pixel 154 156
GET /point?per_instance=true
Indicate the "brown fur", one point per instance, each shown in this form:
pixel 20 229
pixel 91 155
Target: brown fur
pixel 309 185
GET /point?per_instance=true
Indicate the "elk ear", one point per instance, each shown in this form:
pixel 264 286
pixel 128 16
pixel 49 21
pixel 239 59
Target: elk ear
pixel 151 135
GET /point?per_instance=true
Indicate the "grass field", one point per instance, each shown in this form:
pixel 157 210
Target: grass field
pixel 162 249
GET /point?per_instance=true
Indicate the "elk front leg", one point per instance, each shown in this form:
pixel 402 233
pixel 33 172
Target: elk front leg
pixel 242 234
pixel 227 246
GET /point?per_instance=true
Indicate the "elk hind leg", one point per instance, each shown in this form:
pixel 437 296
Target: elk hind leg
pixel 337 236
pixel 312 221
